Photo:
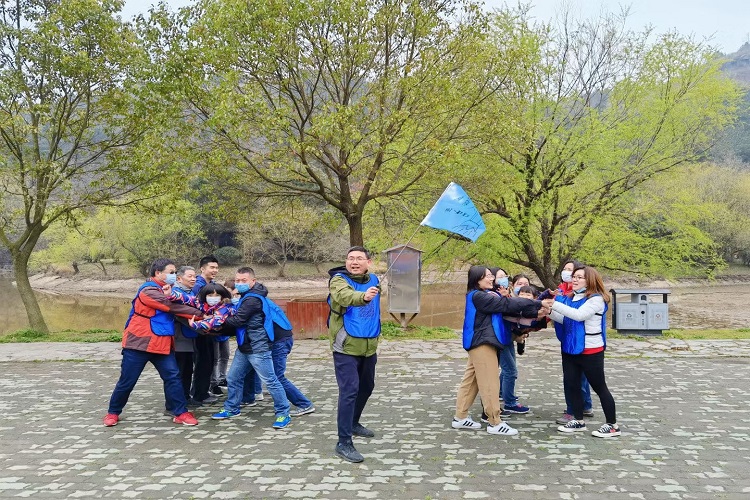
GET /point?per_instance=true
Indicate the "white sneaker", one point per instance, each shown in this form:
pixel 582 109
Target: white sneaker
pixel 502 428
pixel 465 423
pixel 259 396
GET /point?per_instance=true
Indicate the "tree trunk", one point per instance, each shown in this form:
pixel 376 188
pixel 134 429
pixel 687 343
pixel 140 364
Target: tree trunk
pixel 33 312
pixel 356 237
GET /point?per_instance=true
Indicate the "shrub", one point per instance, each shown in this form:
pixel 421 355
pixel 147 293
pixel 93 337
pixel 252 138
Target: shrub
pixel 228 255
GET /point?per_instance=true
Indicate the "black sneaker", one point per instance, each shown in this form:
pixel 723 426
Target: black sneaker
pixel 362 431
pixel 222 382
pixel 216 391
pixel 520 348
pixel 194 403
pixel 573 426
pixel 347 451
pixel 211 399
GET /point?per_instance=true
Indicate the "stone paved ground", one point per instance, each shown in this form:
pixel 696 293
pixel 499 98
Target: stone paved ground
pixel 683 407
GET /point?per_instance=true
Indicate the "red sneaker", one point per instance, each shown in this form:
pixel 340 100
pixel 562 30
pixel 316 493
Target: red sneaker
pixel 111 420
pixel 186 418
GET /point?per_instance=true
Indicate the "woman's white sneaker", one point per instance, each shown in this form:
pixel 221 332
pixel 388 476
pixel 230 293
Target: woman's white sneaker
pixel 465 423
pixel 503 429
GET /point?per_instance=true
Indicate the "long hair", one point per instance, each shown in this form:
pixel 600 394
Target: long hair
pixel 476 274
pixel 594 282
pixel 518 277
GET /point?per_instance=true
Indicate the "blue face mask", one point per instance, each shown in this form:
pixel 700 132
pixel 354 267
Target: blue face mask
pixel 503 282
pixel 580 290
pixel 235 300
pixel 242 287
pixel 171 279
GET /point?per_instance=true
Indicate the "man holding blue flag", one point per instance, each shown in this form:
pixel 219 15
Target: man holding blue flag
pixel 354 328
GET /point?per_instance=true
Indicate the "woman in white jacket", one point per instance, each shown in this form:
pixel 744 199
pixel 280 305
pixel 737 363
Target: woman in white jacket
pixel 580 324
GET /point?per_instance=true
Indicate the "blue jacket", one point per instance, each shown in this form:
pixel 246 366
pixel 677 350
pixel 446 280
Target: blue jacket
pixel 571 333
pixel 249 322
pixel 483 317
pixel 358 321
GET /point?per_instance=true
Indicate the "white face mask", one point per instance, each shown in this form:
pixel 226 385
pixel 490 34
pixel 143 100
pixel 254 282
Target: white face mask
pixel 567 276
pixel 212 301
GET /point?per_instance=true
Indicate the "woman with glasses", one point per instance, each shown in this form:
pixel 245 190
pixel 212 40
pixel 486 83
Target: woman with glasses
pixel 566 288
pixel 583 340
pixel 484 336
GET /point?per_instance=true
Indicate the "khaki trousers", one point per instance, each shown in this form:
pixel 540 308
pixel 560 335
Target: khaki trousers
pixel 482 376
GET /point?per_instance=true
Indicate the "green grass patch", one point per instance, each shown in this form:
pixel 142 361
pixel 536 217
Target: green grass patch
pixel 393 331
pixel 93 335
pixel 709 334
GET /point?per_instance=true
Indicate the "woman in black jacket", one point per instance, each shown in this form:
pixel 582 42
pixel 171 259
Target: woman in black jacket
pixel 483 337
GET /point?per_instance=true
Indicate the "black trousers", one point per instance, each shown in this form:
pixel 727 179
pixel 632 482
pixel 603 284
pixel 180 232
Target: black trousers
pixel 591 365
pixel 204 366
pixel 356 379
pixel 185 365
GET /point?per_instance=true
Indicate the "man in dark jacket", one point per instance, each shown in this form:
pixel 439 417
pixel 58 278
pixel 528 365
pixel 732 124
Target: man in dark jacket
pixel 254 342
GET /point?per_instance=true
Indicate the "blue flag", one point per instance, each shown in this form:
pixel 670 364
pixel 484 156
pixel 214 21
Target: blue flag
pixel 455 212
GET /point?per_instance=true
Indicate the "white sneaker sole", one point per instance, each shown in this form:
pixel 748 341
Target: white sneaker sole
pixel 469 426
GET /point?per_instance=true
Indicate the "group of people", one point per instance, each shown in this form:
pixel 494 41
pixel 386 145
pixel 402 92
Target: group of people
pixel 176 313
pixel 498 314
pixel 181 322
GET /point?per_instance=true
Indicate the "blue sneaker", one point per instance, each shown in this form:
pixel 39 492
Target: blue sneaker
pixel 282 421
pixel 516 408
pixel 225 414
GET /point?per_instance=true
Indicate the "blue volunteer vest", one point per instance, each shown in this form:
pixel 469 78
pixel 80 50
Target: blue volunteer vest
pixel 470 314
pixel 362 322
pixel 273 315
pixel 572 333
pixel 161 323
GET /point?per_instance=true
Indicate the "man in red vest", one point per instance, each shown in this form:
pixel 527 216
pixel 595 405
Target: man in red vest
pixel 149 337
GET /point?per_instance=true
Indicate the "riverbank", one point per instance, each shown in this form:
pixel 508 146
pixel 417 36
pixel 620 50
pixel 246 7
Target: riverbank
pixel 317 287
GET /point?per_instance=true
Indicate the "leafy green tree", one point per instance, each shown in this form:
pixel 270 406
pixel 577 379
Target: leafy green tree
pixel 138 236
pixel 598 111
pixel 72 110
pixel 345 101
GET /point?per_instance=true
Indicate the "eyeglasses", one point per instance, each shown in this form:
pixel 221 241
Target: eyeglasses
pixel 356 259
pixel 579 277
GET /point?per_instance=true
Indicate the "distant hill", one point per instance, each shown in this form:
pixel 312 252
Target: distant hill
pixel 738 66
pixel 734 144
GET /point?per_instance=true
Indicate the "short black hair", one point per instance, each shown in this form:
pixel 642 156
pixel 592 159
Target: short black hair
pixel 159 265
pixel 359 248
pixel 476 274
pixel 246 270
pixel 208 259
pixel 211 288
pixel 529 289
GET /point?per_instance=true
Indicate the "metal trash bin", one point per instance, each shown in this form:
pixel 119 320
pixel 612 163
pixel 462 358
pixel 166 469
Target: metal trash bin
pixel 640 316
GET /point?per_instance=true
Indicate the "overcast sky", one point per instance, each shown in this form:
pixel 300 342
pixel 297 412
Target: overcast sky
pixel 726 22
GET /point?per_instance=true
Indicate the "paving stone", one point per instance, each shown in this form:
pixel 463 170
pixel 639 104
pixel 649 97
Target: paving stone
pixel 684 414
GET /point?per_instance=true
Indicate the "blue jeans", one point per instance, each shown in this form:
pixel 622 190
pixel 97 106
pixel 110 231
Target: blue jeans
pixel 262 363
pixel 585 393
pixel 252 386
pixel 133 363
pixel 508 375
pixel 280 351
